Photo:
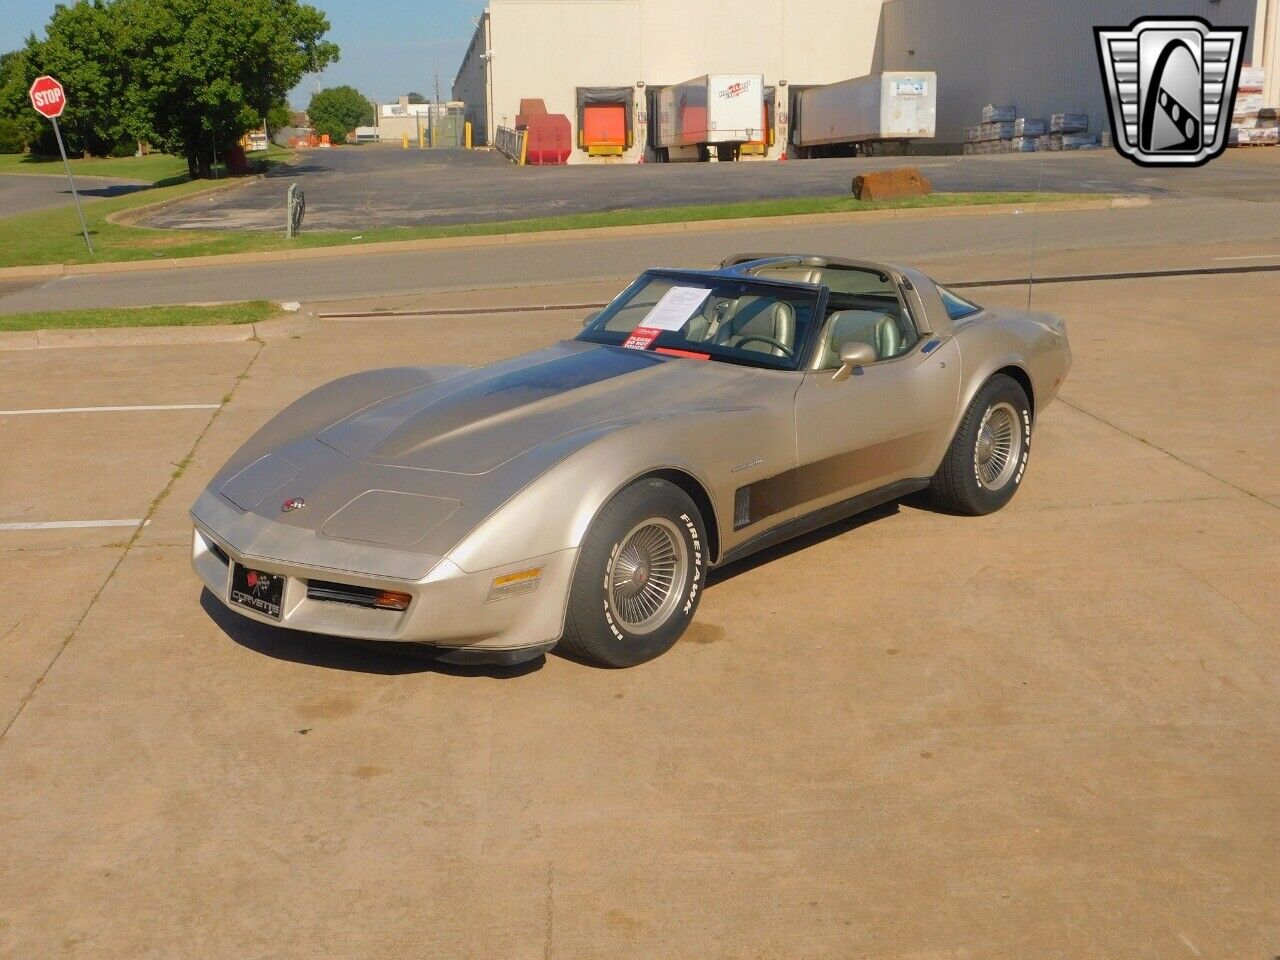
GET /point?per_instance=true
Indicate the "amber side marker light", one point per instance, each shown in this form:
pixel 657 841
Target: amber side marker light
pixel 391 600
pixel 514 584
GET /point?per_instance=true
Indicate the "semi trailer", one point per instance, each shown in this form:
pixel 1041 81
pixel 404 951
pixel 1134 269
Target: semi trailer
pixel 710 116
pixel 864 114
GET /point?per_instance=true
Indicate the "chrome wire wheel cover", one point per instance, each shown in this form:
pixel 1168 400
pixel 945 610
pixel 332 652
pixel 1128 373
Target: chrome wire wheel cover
pixel 647 575
pixel 999 446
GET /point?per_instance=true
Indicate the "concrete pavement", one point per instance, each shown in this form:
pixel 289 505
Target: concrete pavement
pixel 1006 237
pixel 1051 732
pixel 359 188
pixel 23 193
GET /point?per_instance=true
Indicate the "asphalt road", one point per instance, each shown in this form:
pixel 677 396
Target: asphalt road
pixel 1050 732
pixel 358 188
pixel 23 193
pixel 1011 236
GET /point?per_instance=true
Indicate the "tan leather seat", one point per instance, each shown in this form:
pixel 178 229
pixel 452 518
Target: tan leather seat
pixel 877 330
pixel 764 316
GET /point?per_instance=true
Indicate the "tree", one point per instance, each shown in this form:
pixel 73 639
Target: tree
pixel 339 110
pixel 81 48
pixel 278 117
pixel 211 69
pixel 191 76
pixel 21 124
pixel 416 97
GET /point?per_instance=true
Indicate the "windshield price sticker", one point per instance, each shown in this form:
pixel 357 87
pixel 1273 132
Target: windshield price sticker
pixel 641 337
pixel 675 308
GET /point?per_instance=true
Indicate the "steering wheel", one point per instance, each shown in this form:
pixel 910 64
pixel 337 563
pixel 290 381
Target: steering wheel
pixel 790 354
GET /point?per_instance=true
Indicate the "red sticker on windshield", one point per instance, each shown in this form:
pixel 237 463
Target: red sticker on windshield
pixel 641 337
pixel 690 354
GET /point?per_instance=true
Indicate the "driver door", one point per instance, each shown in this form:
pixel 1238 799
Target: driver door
pixel 887 421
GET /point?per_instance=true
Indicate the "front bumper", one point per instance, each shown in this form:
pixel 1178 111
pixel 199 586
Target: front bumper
pixel 449 608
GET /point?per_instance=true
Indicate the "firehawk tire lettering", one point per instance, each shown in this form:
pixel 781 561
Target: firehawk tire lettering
pixel 593 631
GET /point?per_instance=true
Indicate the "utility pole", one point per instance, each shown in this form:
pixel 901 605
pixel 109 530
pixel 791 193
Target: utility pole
pixel 435 108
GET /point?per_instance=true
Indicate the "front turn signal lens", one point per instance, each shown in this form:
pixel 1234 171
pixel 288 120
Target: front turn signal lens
pixel 391 600
pixel 514 584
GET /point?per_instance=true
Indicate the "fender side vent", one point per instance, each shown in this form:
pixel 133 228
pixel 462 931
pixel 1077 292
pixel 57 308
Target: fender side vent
pixel 741 508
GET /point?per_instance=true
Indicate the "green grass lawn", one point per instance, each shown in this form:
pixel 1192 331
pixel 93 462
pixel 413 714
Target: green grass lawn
pixel 254 311
pixel 156 168
pixel 53 236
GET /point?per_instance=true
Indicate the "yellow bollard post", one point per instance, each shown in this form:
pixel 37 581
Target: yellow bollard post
pixel 422 144
pixel 524 146
pixel 404 141
pixel 467 128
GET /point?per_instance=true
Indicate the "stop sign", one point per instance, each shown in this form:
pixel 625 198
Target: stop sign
pixel 48 97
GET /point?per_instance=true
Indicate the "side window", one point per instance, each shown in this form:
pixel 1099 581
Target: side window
pixel 957 307
pixel 864 306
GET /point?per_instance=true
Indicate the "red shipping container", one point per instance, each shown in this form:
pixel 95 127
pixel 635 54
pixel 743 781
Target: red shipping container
pixel 550 139
pixel 528 110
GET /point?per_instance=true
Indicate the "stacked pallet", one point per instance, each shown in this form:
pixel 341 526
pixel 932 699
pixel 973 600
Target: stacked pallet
pixel 1252 123
pixel 1003 131
pixel 1026 134
pixel 995 132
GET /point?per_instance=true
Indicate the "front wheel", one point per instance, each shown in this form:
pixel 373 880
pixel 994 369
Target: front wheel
pixel 988 455
pixel 639 577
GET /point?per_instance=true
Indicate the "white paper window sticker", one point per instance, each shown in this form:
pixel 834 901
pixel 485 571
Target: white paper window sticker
pixel 675 308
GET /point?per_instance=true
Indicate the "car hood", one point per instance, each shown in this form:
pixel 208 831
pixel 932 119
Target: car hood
pixel 477 420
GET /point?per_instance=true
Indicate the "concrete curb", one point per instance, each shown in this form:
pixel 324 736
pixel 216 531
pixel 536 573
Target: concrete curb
pixel 273 329
pixel 590 233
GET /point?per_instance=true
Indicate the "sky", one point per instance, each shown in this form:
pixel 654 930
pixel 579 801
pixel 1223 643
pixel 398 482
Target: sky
pixel 389 47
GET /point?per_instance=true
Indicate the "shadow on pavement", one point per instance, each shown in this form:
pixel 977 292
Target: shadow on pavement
pixel 106 193
pixel 358 656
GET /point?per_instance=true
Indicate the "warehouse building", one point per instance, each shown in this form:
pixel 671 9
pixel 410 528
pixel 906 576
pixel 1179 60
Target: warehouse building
pixel 566 52
pixel 1039 56
pixel 616 55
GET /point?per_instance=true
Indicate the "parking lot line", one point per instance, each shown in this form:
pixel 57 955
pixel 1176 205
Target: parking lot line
pixel 129 409
pixel 71 524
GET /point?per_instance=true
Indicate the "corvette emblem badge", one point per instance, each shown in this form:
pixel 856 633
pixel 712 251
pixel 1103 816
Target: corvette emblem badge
pixel 293 503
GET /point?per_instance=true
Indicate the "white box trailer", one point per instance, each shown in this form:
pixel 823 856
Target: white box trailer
pixel 895 106
pixel 720 111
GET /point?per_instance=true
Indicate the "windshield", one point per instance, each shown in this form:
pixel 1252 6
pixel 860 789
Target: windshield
pixel 739 321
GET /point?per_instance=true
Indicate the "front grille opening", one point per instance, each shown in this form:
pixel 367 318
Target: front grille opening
pixel 368 597
pixel 218 552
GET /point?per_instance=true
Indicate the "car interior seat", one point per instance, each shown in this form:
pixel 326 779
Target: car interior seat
pixel 753 315
pixel 871 327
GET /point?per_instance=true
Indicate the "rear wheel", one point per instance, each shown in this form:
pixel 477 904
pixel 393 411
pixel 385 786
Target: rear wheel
pixel 639 576
pixel 988 455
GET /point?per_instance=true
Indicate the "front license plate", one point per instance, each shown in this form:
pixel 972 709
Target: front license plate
pixel 258 591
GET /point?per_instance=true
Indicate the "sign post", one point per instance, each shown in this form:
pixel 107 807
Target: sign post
pixel 49 100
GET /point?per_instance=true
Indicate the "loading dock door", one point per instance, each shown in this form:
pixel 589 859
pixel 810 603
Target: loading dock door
pixel 605 120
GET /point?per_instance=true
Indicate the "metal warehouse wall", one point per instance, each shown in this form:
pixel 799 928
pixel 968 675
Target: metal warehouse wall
pixel 1039 56
pixel 471 85
pixel 548 48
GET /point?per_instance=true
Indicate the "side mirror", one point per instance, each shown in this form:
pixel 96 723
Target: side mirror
pixel 590 318
pixel 852 356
